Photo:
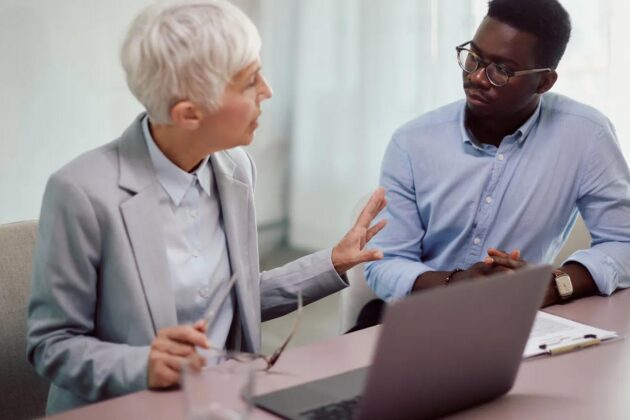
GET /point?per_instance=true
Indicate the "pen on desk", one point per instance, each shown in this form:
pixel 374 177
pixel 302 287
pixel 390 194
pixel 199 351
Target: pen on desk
pixel 574 346
pixel 208 318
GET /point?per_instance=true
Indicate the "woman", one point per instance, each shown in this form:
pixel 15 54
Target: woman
pixel 137 237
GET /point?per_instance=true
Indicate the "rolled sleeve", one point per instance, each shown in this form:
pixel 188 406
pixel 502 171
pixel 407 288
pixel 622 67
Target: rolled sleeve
pixel 604 203
pixel 602 267
pixel 393 279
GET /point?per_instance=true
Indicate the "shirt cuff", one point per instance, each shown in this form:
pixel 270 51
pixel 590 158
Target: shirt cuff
pixel 602 268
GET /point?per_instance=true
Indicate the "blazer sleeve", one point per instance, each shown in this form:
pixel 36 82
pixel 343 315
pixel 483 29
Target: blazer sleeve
pixel 313 275
pixel 61 341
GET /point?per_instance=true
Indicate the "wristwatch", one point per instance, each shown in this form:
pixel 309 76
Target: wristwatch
pixel 563 284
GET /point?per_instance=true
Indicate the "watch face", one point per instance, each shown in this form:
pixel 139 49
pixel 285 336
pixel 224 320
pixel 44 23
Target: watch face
pixel 565 288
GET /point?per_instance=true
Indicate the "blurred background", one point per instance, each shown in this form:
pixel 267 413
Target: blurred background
pixel 345 73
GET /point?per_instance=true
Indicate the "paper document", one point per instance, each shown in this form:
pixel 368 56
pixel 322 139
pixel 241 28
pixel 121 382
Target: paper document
pixel 552 334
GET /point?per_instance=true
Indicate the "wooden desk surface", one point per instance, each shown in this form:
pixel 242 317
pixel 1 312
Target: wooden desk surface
pixel 586 384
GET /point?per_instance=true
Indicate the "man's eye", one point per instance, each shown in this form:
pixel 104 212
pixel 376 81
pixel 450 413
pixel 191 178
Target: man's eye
pixel 503 69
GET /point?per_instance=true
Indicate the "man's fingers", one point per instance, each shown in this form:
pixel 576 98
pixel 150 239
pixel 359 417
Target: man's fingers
pixel 504 262
pixel 372 208
pixel 494 252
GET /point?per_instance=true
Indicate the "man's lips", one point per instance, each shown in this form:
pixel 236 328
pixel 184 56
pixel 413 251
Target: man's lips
pixel 476 96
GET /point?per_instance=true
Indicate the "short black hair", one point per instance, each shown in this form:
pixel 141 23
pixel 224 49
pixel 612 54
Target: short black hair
pixel 545 19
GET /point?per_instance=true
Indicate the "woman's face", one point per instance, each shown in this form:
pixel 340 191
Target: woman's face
pixel 234 123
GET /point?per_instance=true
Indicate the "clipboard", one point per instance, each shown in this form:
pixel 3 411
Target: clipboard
pixel 553 335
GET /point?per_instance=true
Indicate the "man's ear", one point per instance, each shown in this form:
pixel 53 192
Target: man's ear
pixel 186 115
pixel 547 81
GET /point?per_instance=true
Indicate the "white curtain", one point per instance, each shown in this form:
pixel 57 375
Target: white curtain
pixel 365 67
pixel 346 74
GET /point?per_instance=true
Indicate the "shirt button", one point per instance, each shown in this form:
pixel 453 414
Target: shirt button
pixel 195 253
pixel 204 292
pixel 488 199
pixel 501 157
pixel 193 214
pixel 477 241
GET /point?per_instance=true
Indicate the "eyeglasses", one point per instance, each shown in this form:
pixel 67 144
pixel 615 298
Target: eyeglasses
pixel 497 74
pixel 270 361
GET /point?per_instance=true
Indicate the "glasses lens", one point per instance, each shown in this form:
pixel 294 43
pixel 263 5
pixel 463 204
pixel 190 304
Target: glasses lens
pixel 497 75
pixel 467 61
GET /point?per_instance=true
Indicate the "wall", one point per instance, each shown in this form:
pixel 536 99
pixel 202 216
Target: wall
pixel 63 93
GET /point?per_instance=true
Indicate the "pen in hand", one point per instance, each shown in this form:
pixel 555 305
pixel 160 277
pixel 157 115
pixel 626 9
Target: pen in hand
pixel 210 314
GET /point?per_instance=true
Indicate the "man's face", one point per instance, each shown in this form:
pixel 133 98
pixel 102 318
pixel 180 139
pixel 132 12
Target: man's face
pixel 234 123
pixel 514 49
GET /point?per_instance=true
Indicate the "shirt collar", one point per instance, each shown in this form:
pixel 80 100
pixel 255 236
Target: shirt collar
pixel 173 179
pixel 520 135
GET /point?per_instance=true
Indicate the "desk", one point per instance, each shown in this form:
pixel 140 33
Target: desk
pixel 587 384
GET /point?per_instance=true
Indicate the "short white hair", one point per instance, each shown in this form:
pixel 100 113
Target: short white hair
pixel 187 50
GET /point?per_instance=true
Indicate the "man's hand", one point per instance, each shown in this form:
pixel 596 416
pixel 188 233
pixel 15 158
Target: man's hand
pixel 350 250
pixel 171 349
pixel 438 278
pixel 498 258
pixel 479 269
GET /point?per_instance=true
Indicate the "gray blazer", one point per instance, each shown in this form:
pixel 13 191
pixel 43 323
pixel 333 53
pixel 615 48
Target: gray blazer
pixel 101 288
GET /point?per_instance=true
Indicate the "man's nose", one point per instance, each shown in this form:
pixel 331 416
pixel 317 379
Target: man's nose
pixel 479 77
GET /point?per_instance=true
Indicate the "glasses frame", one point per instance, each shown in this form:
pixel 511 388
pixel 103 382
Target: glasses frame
pixel 270 361
pixel 480 62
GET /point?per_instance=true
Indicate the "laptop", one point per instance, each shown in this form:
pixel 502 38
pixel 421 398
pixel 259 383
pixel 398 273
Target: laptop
pixel 439 351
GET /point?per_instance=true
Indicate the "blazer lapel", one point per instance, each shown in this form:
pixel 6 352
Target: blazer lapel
pixel 142 223
pixel 238 220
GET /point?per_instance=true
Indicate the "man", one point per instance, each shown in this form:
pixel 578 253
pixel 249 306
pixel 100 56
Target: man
pixel 507 169
pixel 138 238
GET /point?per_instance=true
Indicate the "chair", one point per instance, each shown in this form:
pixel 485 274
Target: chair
pixel 354 297
pixel 22 391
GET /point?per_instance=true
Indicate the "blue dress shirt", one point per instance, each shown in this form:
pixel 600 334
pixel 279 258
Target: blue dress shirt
pixel 450 197
pixel 196 247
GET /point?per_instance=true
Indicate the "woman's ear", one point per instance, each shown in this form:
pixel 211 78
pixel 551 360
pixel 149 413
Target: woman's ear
pixel 186 115
pixel 547 81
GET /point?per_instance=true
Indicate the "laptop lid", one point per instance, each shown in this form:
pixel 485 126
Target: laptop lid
pixel 452 348
pixel 438 352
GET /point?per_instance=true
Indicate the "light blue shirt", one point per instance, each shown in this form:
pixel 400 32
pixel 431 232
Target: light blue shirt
pixel 196 246
pixel 450 197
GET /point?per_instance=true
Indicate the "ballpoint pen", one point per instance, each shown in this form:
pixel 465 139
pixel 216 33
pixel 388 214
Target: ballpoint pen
pixel 210 314
pixel 588 341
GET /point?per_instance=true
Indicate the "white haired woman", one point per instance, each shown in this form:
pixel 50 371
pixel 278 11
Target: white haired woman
pixel 137 237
